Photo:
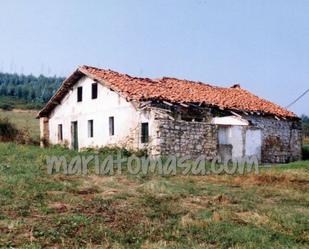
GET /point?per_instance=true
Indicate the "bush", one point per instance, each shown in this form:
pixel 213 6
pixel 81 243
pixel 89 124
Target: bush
pixel 33 106
pixel 113 150
pixel 123 151
pixel 6 107
pixel 305 152
pixel 24 137
pixel 8 131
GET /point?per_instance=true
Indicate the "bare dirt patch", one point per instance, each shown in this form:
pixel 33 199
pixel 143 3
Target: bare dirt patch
pixel 25 111
pixel 60 207
pixel 54 192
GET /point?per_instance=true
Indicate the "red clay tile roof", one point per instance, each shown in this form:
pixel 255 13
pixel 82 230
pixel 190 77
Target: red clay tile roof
pixel 181 91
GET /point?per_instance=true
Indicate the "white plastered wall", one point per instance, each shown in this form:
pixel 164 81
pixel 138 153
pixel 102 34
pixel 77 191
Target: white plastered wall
pixel 108 103
pixel 245 140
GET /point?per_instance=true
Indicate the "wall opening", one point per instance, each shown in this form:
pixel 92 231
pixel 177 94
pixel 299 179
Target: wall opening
pixel 144 133
pixel 94 90
pixel 90 128
pixel 79 94
pixel 111 126
pixel 74 135
pixel 60 133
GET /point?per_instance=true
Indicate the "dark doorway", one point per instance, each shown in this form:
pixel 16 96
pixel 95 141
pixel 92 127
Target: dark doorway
pixel 111 126
pixel 74 135
pixel 144 133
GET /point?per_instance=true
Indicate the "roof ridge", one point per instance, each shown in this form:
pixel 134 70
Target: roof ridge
pixel 154 80
pixel 174 90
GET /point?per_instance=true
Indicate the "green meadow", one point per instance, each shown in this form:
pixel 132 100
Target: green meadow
pixel 38 210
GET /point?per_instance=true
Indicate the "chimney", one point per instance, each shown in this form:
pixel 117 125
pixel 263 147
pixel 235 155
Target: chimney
pixel 235 86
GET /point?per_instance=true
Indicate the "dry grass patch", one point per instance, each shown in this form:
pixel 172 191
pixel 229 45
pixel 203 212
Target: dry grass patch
pixel 188 221
pixel 251 217
pixel 274 179
pixel 196 203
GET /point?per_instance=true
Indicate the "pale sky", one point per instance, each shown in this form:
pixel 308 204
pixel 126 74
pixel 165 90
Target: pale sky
pixel 262 45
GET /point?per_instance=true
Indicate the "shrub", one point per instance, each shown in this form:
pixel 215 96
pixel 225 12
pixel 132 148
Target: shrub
pixel 33 106
pixel 113 150
pixel 6 107
pixel 24 137
pixel 124 152
pixel 305 152
pixel 8 131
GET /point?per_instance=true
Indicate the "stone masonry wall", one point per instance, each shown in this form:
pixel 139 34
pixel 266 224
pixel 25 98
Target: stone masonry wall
pixel 182 138
pixel 281 139
pixel 44 131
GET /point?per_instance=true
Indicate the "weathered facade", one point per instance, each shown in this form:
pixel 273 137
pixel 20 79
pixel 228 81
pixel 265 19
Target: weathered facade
pixel 184 138
pixel 281 139
pixel 95 108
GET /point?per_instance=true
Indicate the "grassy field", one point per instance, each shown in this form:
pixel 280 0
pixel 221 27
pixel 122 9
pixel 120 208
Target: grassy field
pixel 15 103
pixel 24 119
pixel 37 210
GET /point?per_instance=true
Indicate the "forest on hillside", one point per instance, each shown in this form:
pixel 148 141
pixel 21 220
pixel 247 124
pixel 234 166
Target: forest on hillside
pixel 31 90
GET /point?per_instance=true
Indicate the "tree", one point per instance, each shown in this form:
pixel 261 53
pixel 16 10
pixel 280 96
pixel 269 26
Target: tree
pixel 31 88
pixel 305 119
pixel 19 92
pixel 32 95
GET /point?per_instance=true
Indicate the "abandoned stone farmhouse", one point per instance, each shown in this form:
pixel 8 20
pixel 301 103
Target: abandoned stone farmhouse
pixel 95 108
